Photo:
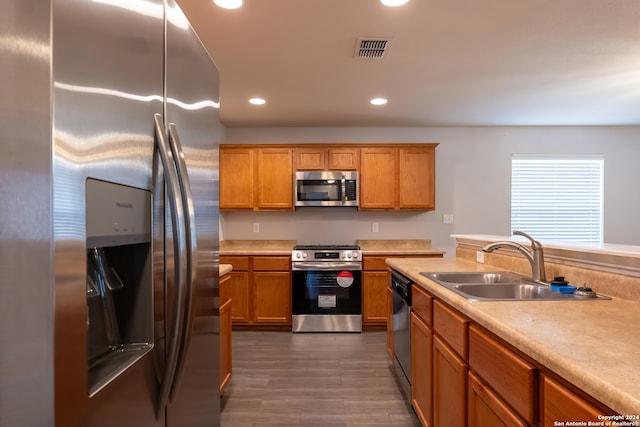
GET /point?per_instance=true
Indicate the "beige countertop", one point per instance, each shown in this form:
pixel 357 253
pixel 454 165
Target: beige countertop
pixel 399 247
pixel 225 269
pixel 594 344
pixel 256 247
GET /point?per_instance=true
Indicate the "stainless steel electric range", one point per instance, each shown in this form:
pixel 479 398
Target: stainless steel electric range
pixel 326 288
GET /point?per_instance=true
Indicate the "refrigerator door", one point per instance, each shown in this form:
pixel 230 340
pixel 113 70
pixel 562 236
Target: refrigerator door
pixel 26 262
pixel 192 105
pixel 107 86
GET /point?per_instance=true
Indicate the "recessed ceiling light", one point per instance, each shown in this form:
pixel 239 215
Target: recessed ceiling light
pixel 228 4
pixel 378 101
pixel 394 3
pixel 257 101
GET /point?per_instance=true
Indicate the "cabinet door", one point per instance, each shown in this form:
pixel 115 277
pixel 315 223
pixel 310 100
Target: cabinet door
pixel 416 178
pixel 343 159
pixel 225 344
pixel 275 178
pixel 421 369
pixel 236 178
pixel 225 288
pixel 272 297
pixel 240 310
pixel 487 410
pixel 374 297
pixel 378 177
pixel 309 158
pixel 561 404
pixel 449 387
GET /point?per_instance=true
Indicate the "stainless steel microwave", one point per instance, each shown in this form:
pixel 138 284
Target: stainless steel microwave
pixel 326 188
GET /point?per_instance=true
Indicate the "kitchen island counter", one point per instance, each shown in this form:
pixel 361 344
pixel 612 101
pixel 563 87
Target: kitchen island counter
pixel 593 344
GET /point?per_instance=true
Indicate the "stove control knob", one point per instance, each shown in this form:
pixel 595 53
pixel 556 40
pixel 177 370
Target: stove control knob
pixel 297 254
pixel 304 254
pixel 346 255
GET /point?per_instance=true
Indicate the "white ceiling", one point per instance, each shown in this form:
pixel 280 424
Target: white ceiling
pixel 450 63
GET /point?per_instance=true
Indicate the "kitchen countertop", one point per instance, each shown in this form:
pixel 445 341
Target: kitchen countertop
pixel 225 269
pixel 593 344
pixel 256 247
pixel 400 247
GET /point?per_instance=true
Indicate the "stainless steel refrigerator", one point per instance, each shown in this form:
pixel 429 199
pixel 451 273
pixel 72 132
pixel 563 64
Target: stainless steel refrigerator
pixel 109 136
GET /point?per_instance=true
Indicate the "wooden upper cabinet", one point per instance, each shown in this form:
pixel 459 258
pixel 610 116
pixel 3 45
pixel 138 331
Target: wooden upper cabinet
pixel 236 178
pixel 322 158
pixel 343 159
pixel 275 178
pixel 310 159
pixel 378 172
pixel 416 178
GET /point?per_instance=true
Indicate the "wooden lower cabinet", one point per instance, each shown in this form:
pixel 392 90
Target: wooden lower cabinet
pixel 449 387
pixel 374 297
pixel 561 404
pixel 486 409
pixel 272 297
pixel 260 289
pixel 225 331
pixel 421 369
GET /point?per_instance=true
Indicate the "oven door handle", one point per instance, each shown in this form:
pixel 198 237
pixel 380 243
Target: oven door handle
pixel 310 266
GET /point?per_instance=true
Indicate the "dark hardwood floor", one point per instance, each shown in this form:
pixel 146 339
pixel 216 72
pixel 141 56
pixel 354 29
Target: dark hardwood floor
pixel 282 379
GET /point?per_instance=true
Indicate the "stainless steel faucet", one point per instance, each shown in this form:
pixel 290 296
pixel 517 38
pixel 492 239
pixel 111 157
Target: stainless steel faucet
pixel 534 255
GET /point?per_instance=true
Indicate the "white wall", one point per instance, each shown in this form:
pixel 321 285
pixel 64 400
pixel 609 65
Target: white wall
pixel 473 180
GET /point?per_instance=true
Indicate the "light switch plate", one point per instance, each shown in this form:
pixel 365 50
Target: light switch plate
pixel 480 257
pixel 447 218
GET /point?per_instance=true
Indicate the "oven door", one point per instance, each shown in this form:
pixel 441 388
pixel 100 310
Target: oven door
pixel 327 290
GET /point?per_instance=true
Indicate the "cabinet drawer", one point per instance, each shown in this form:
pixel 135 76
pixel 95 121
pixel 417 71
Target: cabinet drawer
pixel 374 263
pixel 421 303
pixel 452 327
pixel 274 263
pixel 513 378
pixel 239 263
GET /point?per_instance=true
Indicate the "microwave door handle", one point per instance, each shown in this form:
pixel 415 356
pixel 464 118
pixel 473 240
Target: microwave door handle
pixel 179 243
pixel 192 251
pixel 343 184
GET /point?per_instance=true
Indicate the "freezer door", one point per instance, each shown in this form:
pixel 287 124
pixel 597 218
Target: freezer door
pixel 107 86
pixel 192 119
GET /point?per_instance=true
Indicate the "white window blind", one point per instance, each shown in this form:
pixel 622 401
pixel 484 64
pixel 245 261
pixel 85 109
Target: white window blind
pixel 557 198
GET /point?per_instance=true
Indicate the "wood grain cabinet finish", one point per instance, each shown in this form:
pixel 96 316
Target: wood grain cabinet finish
pixel 513 379
pixel 378 172
pixel 416 178
pixel 237 179
pixel 561 404
pixel 374 297
pixel 275 178
pixel 272 289
pixel 449 386
pixel 421 369
pixel 260 289
pixel 486 409
pixel 452 327
pixel 322 158
pixel 239 284
pixel 225 344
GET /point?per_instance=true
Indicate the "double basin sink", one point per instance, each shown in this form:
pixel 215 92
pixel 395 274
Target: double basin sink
pixel 500 286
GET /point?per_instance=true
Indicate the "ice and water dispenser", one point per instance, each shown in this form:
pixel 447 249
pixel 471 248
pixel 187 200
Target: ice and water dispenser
pixel 119 279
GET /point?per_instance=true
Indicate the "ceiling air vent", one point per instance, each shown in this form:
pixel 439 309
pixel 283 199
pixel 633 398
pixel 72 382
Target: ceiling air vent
pixel 371 48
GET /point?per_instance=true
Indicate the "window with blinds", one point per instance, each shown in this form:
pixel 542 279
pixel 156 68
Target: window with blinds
pixel 557 198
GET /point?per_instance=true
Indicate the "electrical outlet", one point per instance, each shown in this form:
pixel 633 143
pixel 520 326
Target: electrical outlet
pixel 375 227
pixel 480 257
pixel 447 218
pixel 256 227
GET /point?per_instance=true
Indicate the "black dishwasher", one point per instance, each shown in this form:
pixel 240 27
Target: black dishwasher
pixel 401 286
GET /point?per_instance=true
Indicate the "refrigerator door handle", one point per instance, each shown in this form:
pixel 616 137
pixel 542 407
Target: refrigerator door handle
pixel 180 253
pixel 192 251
